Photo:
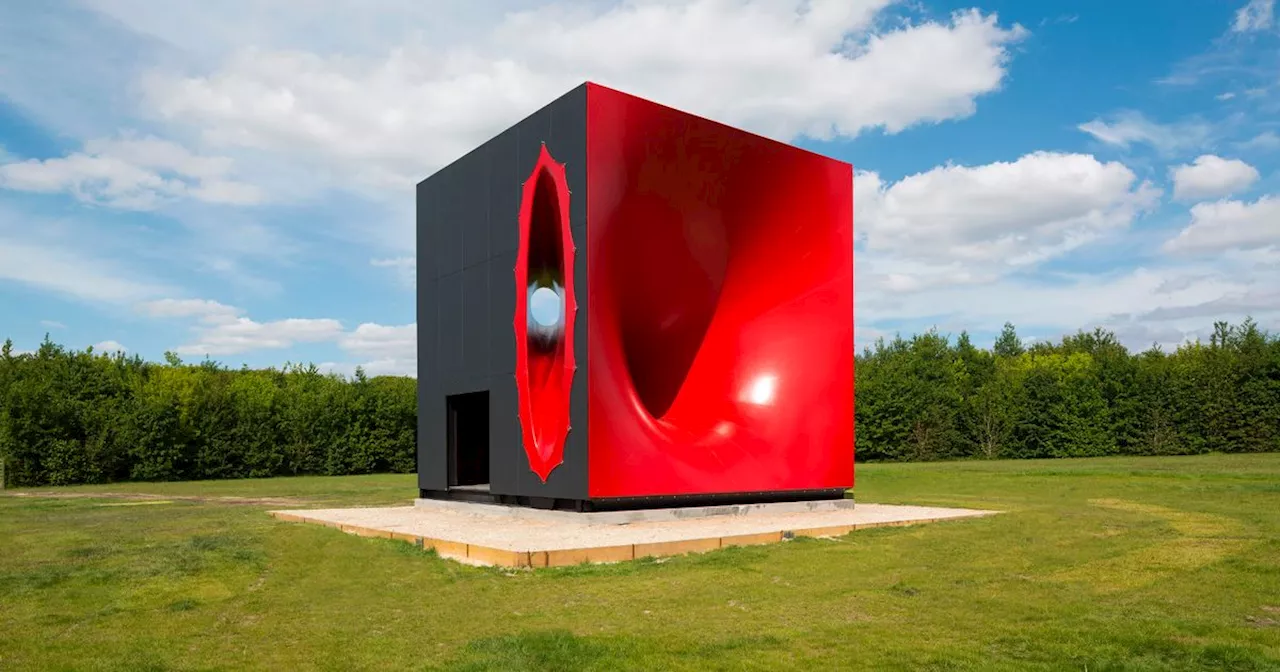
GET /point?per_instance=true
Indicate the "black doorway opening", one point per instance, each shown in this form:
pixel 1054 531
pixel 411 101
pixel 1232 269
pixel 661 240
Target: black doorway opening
pixel 468 439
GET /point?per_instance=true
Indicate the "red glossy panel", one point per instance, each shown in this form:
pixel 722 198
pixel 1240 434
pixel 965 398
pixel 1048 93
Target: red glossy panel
pixel 544 367
pixel 721 321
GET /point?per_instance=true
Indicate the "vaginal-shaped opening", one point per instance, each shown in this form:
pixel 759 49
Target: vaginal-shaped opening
pixel 545 290
pixel 544 316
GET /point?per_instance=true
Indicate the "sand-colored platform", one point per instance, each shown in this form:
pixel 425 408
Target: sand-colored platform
pixel 524 540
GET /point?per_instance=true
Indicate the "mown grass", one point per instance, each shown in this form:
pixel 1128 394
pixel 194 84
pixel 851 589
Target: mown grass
pixel 1099 564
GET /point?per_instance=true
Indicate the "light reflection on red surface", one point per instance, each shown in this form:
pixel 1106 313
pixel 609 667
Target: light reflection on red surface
pixel 720 266
pixel 544 366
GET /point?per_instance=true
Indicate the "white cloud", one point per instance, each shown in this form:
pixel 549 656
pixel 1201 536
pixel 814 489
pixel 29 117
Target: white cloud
pixel 382 342
pixel 1225 96
pixel 67 272
pixel 221 330
pixel 396 262
pixel 384 350
pixel 205 309
pixel 781 67
pixel 1265 141
pixel 1225 225
pixel 241 334
pixel 1211 176
pixel 962 247
pixel 1166 303
pixel 109 347
pixel 377 367
pixel 1257 15
pixel 956 225
pixel 52 324
pixel 1128 128
pixel 406 269
pixel 1236 303
pixel 131 173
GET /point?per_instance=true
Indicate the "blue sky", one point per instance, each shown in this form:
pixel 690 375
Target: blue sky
pixel 235 178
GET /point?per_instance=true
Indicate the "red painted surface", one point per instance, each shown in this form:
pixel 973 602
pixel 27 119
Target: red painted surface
pixel 544 372
pixel 720 266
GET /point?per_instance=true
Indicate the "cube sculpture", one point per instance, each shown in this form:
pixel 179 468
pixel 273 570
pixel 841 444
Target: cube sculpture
pixel 624 305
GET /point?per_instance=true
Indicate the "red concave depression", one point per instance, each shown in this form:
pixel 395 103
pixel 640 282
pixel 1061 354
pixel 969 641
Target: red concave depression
pixel 545 364
pixel 721 321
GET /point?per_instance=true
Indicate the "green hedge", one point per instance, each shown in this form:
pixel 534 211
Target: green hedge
pixel 80 417
pixel 927 398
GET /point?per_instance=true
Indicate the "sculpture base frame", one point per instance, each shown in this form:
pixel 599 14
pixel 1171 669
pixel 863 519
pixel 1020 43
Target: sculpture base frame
pixel 482 495
pixel 515 536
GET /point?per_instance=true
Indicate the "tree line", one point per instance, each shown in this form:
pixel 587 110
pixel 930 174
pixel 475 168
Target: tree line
pixel 71 416
pixel 929 398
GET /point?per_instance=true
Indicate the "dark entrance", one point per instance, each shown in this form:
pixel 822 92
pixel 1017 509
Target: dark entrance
pixel 468 439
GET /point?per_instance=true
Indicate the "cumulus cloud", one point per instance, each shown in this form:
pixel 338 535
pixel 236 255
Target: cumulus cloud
pixel 109 347
pixel 780 67
pixel 1257 15
pixel 1228 224
pixel 381 341
pixel 131 173
pixel 220 329
pixel 971 224
pixel 964 247
pixel 386 350
pixel 1211 176
pixel 241 334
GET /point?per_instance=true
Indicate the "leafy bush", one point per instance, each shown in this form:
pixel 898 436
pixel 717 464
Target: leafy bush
pixel 82 417
pixel 924 398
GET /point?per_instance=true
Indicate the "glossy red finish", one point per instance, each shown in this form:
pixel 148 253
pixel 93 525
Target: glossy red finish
pixel 544 371
pixel 720 268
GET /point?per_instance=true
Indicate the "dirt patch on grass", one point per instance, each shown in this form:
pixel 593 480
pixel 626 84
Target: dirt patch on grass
pixel 144 497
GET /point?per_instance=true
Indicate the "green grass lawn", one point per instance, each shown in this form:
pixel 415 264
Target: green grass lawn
pixel 1143 563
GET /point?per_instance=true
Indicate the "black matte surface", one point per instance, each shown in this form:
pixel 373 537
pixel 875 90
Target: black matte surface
pixel 467 239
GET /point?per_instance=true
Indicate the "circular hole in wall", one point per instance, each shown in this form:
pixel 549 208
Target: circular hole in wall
pixel 545 290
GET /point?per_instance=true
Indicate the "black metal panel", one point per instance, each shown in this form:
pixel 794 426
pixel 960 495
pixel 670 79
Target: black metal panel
pixel 468 232
pixel 502 311
pixel 428 236
pixel 530 134
pixel 432 459
pixel 475 218
pixel 475 320
pixel 452 302
pixel 504 194
pixel 449 213
pixel 506 456
pixel 568 144
pixel 428 329
pixel 433 464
